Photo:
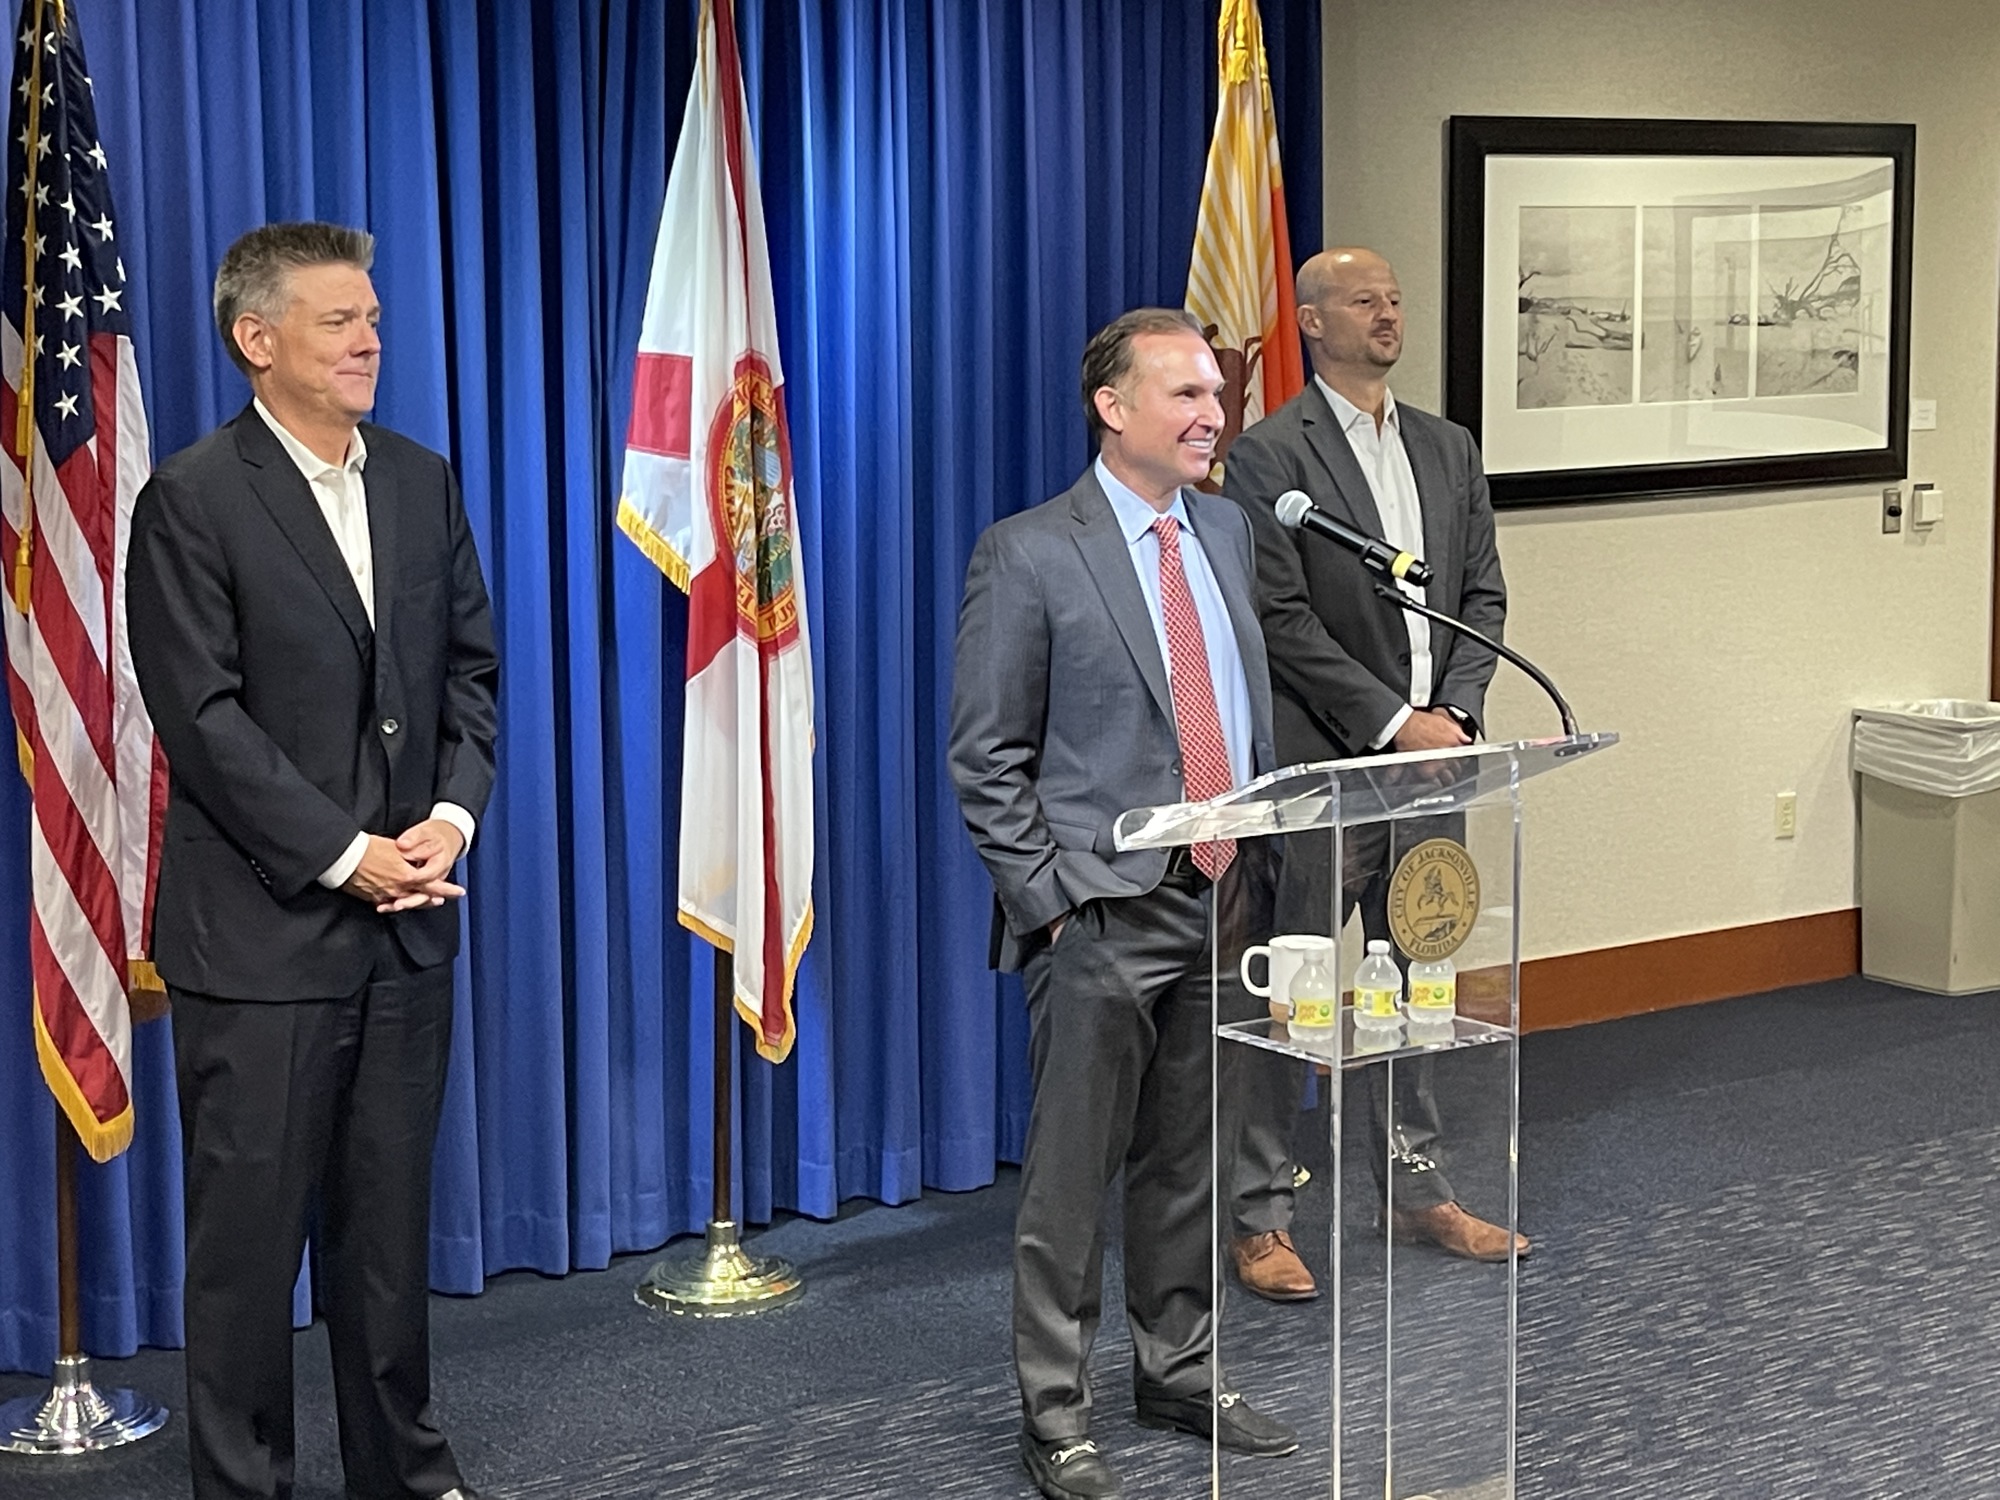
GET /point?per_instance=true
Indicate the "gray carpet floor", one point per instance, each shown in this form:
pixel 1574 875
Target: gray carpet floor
pixel 1767 1267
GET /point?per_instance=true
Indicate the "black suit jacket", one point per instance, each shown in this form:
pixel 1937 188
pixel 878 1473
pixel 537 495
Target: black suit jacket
pixel 289 723
pixel 1340 656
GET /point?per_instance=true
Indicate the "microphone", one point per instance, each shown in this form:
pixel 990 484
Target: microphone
pixel 1296 509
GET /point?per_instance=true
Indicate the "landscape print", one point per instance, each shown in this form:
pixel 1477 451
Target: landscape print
pixel 1814 313
pixel 1731 303
pixel 1697 303
pixel 1574 346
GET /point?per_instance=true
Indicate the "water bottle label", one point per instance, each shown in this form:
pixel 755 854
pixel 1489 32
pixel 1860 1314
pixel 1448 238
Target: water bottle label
pixel 1379 1003
pixel 1314 1010
pixel 1433 995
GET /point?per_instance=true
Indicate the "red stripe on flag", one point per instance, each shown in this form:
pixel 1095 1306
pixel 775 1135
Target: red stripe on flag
pixel 770 1004
pixel 79 862
pixel 156 824
pixel 8 397
pixel 729 79
pixel 18 696
pixel 96 508
pixel 1284 361
pixel 711 614
pixel 69 1026
pixel 662 399
pixel 69 648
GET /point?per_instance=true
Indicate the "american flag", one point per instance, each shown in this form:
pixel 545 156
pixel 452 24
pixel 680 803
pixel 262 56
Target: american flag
pixel 72 418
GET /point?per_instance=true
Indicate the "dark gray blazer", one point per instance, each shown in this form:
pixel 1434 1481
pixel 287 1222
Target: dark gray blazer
pixel 1340 656
pixel 1060 713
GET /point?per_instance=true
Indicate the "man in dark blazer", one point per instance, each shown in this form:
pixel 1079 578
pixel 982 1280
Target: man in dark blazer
pixel 312 636
pixel 1109 658
pixel 1351 674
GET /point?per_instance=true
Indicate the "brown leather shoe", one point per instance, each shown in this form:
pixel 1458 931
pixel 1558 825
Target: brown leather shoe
pixel 1455 1232
pixel 1268 1265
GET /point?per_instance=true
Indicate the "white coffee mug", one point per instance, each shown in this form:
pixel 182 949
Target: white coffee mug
pixel 1283 957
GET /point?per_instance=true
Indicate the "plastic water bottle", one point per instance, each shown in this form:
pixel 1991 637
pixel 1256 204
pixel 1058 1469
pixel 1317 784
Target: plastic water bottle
pixel 1378 997
pixel 1433 999
pixel 1315 999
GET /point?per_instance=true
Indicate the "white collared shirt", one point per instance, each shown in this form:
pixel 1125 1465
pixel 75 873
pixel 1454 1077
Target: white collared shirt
pixel 1218 635
pixel 342 496
pixel 1385 464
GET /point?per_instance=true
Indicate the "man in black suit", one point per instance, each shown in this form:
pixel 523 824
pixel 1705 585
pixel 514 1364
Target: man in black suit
pixel 1109 658
pixel 1352 674
pixel 312 636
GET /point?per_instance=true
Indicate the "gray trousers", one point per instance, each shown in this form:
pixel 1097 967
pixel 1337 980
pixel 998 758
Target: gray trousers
pixel 1119 1016
pixel 1267 1089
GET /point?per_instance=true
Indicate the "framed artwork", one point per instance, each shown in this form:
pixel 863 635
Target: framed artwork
pixel 1654 307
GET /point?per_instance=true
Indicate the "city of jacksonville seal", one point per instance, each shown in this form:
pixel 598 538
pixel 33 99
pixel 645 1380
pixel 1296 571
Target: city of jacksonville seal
pixel 1433 899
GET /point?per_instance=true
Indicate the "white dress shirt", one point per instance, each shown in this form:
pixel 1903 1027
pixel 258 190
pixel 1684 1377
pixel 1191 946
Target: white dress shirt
pixel 1386 466
pixel 1225 662
pixel 342 496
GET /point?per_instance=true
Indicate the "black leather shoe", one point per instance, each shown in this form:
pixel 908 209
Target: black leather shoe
pixel 1069 1469
pixel 1241 1428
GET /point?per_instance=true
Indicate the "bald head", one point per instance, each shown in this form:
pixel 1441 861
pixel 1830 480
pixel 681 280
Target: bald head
pixel 1328 273
pixel 1351 312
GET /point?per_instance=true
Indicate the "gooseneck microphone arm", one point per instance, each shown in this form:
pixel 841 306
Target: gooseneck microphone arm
pixel 1403 601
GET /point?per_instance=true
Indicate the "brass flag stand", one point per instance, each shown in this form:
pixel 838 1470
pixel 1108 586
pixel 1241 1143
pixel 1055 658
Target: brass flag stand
pixel 722 1280
pixel 75 1416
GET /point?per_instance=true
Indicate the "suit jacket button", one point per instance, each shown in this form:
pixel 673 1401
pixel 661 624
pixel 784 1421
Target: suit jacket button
pixel 1175 768
pixel 390 726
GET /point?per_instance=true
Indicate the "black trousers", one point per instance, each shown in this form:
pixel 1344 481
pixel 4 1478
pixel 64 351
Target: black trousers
pixel 323 1111
pixel 1406 1141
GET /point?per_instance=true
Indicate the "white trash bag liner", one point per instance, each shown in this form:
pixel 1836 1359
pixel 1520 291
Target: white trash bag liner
pixel 1949 747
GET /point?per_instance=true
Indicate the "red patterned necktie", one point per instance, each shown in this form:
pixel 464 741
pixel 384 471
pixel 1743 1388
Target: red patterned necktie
pixel 1204 752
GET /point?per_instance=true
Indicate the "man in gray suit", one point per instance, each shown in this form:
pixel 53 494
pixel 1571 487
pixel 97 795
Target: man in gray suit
pixel 1353 674
pixel 1109 657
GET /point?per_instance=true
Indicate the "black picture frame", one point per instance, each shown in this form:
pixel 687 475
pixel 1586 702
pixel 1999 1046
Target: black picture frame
pixel 1534 470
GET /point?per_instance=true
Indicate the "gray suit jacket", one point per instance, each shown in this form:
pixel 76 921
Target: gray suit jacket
pixel 1340 657
pixel 1060 712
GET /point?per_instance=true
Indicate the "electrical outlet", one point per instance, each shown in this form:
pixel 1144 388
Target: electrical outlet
pixel 1788 815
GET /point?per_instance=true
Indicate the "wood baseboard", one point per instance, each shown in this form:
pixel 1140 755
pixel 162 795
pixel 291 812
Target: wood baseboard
pixel 1606 983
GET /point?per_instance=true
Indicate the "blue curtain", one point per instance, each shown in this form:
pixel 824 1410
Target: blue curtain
pixel 956 195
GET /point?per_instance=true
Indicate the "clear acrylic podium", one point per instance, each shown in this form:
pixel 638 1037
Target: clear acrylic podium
pixel 1399 1376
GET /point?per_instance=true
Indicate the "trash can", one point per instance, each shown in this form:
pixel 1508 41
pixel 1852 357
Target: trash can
pixel 1930 844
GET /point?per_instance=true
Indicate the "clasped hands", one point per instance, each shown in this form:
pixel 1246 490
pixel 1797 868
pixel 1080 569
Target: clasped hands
pixel 402 874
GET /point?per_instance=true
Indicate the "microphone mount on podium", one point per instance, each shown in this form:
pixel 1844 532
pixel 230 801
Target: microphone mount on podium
pixel 1391 565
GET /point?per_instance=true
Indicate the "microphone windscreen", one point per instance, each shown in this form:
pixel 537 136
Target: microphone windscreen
pixel 1292 507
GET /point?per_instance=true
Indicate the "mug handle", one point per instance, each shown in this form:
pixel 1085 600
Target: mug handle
pixel 1263 951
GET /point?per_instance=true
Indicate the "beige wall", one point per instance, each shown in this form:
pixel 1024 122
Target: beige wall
pixel 1724 637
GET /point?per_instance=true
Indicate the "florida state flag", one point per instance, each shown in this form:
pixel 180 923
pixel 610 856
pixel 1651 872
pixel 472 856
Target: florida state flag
pixel 708 497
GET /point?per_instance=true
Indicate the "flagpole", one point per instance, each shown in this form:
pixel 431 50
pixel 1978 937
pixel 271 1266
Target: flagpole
pixel 75 1416
pixel 721 1281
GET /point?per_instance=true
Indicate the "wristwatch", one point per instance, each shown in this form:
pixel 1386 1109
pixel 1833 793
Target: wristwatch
pixel 1460 717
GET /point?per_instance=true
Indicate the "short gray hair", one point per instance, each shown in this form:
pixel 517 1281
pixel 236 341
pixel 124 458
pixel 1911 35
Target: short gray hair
pixel 255 274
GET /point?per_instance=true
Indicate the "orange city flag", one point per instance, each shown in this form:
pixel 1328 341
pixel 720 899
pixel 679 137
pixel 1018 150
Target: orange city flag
pixel 708 497
pixel 1240 282
pixel 74 427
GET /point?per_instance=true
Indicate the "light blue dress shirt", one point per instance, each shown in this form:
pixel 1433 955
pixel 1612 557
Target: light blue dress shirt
pixel 1225 662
